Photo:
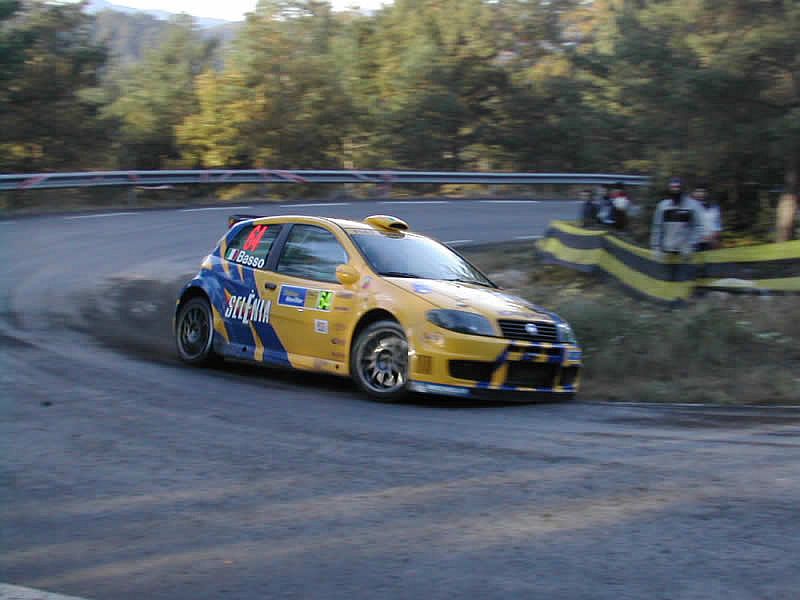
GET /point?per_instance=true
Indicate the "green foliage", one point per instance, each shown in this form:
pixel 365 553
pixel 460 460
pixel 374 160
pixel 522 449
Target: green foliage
pixel 704 88
pixel 279 101
pixel 48 77
pixel 150 99
pixel 707 89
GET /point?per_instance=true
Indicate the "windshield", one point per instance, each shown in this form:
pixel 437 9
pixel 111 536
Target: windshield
pixel 404 255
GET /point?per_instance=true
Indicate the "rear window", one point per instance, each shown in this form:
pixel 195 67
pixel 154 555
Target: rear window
pixel 252 244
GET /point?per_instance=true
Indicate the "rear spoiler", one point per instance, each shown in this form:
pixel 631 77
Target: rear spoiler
pixel 234 219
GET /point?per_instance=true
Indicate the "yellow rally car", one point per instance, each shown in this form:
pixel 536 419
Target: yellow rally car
pixel 395 310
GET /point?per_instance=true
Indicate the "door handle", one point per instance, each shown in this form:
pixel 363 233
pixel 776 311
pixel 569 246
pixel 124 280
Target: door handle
pixel 270 286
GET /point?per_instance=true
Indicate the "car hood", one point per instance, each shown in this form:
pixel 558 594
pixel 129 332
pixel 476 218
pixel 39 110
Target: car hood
pixel 489 302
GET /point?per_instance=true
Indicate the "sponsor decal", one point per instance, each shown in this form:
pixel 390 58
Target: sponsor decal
pixel 337 341
pixel 254 239
pixel 243 258
pixel 321 326
pixel 306 298
pixel 292 296
pixel 367 282
pixel 421 288
pixel 325 300
pixel 248 309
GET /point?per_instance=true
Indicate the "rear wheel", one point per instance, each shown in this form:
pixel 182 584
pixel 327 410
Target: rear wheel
pixel 194 332
pixel 379 361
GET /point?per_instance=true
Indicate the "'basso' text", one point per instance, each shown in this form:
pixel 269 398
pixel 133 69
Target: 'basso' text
pixel 243 258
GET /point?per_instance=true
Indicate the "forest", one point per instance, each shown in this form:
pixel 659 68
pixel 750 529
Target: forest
pixel 708 89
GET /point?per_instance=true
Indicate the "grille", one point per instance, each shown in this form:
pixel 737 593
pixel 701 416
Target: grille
pixel 551 353
pixel 556 351
pixel 535 375
pixel 515 330
pixel 473 370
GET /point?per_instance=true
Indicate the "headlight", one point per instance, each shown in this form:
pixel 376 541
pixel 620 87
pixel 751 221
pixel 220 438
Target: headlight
pixel 463 322
pixel 565 334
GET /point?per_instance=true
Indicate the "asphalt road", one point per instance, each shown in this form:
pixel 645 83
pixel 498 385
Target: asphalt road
pixel 126 475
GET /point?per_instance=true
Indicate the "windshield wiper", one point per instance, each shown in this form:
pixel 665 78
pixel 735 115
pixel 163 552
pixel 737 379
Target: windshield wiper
pixel 398 274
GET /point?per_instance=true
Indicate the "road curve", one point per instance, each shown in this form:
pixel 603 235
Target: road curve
pixel 127 475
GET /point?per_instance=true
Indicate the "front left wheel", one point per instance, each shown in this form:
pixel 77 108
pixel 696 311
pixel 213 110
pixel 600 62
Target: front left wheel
pixel 379 361
pixel 194 332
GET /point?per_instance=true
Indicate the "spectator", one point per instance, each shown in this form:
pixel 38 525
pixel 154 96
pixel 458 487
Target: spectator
pixel 620 206
pixel 787 208
pixel 677 223
pixel 711 219
pixel 605 209
pixel 588 208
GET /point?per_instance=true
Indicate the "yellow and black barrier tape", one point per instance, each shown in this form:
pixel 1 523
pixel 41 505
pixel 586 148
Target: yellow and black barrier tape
pixel 765 268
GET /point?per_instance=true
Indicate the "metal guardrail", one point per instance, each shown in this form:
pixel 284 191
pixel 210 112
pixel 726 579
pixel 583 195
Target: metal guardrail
pixel 37 181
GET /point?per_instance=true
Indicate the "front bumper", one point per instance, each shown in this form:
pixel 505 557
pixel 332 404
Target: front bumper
pixel 469 366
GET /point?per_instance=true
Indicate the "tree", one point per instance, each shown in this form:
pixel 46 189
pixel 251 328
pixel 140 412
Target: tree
pixel 49 100
pixel 150 99
pixel 705 88
pixel 279 102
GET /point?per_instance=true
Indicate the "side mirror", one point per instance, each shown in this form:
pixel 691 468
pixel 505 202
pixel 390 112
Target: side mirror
pixel 346 274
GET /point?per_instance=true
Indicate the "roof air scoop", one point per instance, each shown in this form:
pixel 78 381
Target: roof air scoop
pixel 387 222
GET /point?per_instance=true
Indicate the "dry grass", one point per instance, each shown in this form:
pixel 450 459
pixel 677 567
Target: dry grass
pixel 724 349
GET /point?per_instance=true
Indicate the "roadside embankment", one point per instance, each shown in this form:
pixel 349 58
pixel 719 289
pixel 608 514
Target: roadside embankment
pixel 721 348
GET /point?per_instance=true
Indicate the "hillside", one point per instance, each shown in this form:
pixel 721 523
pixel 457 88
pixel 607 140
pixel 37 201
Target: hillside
pixel 128 33
pixel 97 6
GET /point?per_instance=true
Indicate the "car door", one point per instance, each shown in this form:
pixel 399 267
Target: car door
pixel 248 303
pixel 312 309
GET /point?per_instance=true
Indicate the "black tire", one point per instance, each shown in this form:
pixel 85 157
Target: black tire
pixel 379 361
pixel 194 333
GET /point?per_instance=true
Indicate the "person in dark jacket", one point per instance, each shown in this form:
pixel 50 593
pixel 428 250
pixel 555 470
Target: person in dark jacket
pixel 588 208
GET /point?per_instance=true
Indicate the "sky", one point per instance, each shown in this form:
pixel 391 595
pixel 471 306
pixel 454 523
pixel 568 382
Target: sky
pixel 230 10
